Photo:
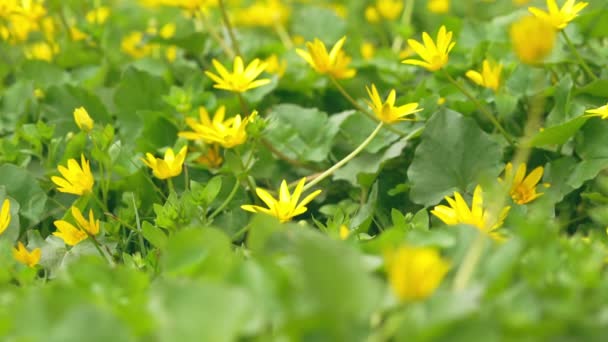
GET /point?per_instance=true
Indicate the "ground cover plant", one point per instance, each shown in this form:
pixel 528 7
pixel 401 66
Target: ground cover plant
pixel 300 170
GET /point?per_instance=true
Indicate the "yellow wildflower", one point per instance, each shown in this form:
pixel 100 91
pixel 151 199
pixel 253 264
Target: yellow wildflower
pixel 389 9
pixel 523 190
pixel 489 76
pixel 414 273
pixel 228 133
pixel 343 232
pixel 387 112
pixel 43 51
pixel 264 14
pixel 559 18
pixel 371 14
pixel 434 56
pixel 368 50
pixel 77 179
pixel 133 45
pixel 98 16
pixel 68 233
pixel 335 63
pixel 532 39
pixel 76 34
pixel 82 119
pixel 168 167
pixel 241 79
pixel 5 215
pixel 286 206
pixel 438 6
pixel 212 157
pixel 459 213
pixel 25 257
pixel 600 111
pixel 275 66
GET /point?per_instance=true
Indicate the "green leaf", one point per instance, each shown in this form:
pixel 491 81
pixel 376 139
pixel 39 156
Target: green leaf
pixel 559 134
pixel 154 235
pixel 318 22
pixel 454 155
pixel 593 141
pixel 23 186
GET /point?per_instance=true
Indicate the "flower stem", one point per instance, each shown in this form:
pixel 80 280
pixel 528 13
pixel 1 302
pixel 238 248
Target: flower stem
pixel 142 245
pixel 226 201
pixel 171 187
pixel 206 25
pixel 229 27
pixel 283 35
pixel 98 247
pixel 465 272
pixel 243 104
pixel 406 18
pixel 578 56
pixel 345 160
pixel 483 109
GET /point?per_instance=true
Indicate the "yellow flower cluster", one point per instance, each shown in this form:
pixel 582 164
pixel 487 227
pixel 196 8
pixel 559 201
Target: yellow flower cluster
pixel 136 45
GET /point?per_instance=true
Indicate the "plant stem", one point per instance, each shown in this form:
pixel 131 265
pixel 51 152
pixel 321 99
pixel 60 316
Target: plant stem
pixel 244 109
pixel 283 35
pixel 142 245
pixel 171 187
pixel 227 49
pixel 465 272
pixel 483 109
pixel 229 27
pixel 406 19
pixel 98 247
pixel 226 201
pixel 345 160
pixel 578 56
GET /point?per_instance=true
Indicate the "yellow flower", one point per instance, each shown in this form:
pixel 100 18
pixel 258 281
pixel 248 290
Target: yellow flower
pixel 286 206
pixel 212 157
pixel 414 273
pixel 168 167
pixel 228 133
pixel 489 76
pixel 387 112
pixel 276 66
pixel 167 31
pixel 520 2
pixel 25 257
pixel 241 79
pixel 71 234
pixel 98 16
pixel 523 190
pixel 343 232
pixel 559 18
pixel 77 35
pixel 77 179
pixel 335 63
pixel 389 9
pixel 600 111
pixel 438 6
pixel 434 56
pixel 263 13
pixel 83 120
pixel 371 14
pixel 459 213
pixel 532 39
pixel 368 50
pixel 134 45
pixel 5 215
pixel 41 51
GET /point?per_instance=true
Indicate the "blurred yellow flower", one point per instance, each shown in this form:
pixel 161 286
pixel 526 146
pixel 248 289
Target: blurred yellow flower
pixel 82 119
pixel 386 111
pixel 77 179
pixel 228 133
pixel 532 38
pixel 43 51
pixel 368 50
pixel 241 79
pixel 559 18
pixel 489 76
pixel 459 213
pixel 520 2
pixel 98 16
pixel 523 190
pixel 414 273
pixel 286 206
pixel 133 44
pixel 335 63
pixel 275 66
pixel 167 31
pixel 389 9
pixel 371 14
pixel 211 157
pixel 343 232
pixel 434 56
pixel 76 34
pixel 438 6
pixel 25 257
pixel 600 111
pixel 5 215
pixel 266 13
pixel 168 167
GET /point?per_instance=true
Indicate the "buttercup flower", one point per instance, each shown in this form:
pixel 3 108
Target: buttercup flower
pixel 489 76
pixel 389 9
pixel 168 167
pixel 264 14
pixel 414 273
pixel 459 213
pixel 77 179
pixel 72 235
pixel 523 190
pixel 559 18
pixel 83 120
pixel 98 16
pixel 532 39
pixel 228 133
pixel 286 206
pixel 212 157
pixel 435 56
pixel 387 112
pixel 241 79
pixel 368 50
pixel 371 14
pixel 343 232
pixel 5 215
pixel 26 257
pixel 600 111
pixel 335 63
pixel 438 6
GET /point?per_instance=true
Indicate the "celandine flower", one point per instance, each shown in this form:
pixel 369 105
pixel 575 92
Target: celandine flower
pixel 168 167
pixel 523 189
pixel 26 257
pixel 211 157
pixel 335 63
pixel 77 179
pixel 414 273
pixel 286 206
pixel 489 76
pixel 241 78
pixel 5 215
pixel 387 112
pixel 600 111
pixel 458 212
pixel 532 39
pixel 82 119
pixel 434 54
pixel 228 133
pixel 438 6
pixel 559 17
pixel 72 235
pixel 389 9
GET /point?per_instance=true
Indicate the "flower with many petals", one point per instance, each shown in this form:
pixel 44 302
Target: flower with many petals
pixel 73 235
pixel 229 133
pixel 387 111
pixel 5 215
pixel 489 76
pixel 241 78
pixel 77 179
pixel 335 63
pixel 287 205
pixel 523 188
pixel 168 167
pixel 559 17
pixel 434 54
pixel 532 39
pixel 26 257
pixel 600 111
